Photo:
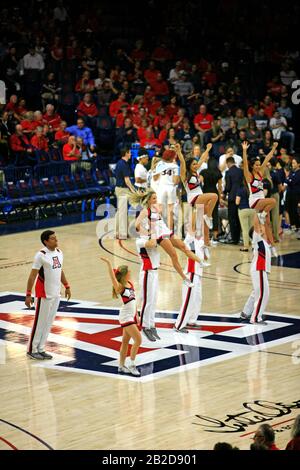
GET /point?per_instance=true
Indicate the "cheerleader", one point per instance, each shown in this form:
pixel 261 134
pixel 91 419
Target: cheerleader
pixel 150 224
pixel 254 174
pixel 191 296
pixel 195 197
pixel 148 281
pixel 260 268
pixel 167 177
pixel 128 317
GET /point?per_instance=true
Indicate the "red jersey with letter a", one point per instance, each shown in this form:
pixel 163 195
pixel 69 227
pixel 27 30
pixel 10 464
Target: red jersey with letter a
pixel 49 263
pixel 261 254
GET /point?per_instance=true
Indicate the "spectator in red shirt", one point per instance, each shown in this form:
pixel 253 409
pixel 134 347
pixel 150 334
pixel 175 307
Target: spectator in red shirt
pixel 161 120
pixel 138 53
pixel 142 130
pixel 210 76
pixel 61 136
pixel 294 443
pixel 85 84
pixel 20 146
pixel 162 53
pixel 39 141
pixel 172 108
pixel 151 72
pixel 159 86
pixel 139 117
pixel 52 118
pixel 71 152
pixel 88 110
pixel 203 124
pixel 122 115
pixel 115 106
pixel 29 124
pixel 265 435
pixel 150 140
pixel 268 106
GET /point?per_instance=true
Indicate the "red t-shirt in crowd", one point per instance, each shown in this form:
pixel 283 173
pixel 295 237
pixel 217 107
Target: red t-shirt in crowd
pixel 204 120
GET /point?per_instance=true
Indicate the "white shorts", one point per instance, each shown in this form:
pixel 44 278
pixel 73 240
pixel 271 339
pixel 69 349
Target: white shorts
pixel 166 195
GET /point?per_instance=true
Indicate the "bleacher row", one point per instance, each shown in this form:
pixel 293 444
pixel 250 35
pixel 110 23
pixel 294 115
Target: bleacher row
pixel 53 188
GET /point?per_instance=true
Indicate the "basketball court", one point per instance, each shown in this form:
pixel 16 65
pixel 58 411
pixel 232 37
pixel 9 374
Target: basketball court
pixel 217 383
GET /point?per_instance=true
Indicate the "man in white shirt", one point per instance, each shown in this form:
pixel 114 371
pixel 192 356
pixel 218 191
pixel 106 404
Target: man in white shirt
pixel 279 125
pixel 140 171
pixel 223 162
pixel 47 265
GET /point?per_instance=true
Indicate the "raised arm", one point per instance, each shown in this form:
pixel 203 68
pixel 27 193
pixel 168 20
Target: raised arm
pixel 247 174
pixel 182 162
pixel 205 155
pixel 268 157
pixel 117 286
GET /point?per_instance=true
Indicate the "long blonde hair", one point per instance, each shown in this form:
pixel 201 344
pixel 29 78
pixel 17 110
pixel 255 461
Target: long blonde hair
pixel 120 274
pixel 141 198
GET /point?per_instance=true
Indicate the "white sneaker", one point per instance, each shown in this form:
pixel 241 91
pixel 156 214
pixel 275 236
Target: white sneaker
pixel 188 283
pixel 274 252
pixel 209 221
pixel 123 370
pixel 206 263
pixel 133 370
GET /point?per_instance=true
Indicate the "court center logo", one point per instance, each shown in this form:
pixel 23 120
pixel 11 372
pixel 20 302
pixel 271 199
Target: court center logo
pixel 86 338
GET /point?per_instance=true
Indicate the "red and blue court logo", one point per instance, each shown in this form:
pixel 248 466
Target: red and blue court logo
pixel 85 338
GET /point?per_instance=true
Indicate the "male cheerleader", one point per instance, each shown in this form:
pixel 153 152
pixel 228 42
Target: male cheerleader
pixel 47 265
pixel 260 267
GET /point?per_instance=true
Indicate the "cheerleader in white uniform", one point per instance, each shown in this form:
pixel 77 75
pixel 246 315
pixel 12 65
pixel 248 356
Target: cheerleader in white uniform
pixel 167 176
pixel 257 200
pixel 195 197
pixel 128 317
pixel 151 225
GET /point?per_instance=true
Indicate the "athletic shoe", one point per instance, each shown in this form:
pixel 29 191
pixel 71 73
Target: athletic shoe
pixel 206 263
pixel 37 356
pixel 188 283
pixel 260 322
pixel 133 370
pixel 149 335
pixel 45 355
pixel 154 333
pixel 182 330
pixel 274 252
pixel 214 242
pixel 123 370
pixel 209 221
pixel 261 218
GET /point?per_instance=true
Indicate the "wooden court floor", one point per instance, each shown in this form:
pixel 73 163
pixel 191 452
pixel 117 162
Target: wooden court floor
pixel 237 380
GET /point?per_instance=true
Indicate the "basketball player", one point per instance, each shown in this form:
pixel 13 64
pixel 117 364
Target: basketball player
pixel 191 296
pixel 148 280
pixel 260 268
pixel 47 265
pixel 195 197
pixel 128 317
pixel 167 176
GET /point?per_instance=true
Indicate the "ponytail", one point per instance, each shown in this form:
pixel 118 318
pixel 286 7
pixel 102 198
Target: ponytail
pixel 141 198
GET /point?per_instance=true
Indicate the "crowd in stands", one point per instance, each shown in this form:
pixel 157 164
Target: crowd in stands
pixel 80 82
pixel 264 439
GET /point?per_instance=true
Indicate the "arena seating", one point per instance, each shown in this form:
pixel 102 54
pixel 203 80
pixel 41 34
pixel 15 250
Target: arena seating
pixel 52 188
